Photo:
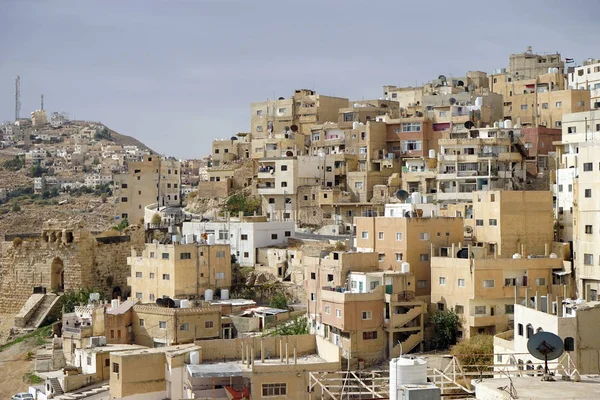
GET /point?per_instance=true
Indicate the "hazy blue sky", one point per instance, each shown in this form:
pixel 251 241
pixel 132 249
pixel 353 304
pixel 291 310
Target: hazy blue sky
pixel 176 74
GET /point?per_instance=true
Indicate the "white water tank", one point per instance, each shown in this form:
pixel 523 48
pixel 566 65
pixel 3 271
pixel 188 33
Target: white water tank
pixel 405 267
pixel 114 303
pixel 550 70
pixel 500 124
pixel 431 153
pixel 516 255
pixel 478 101
pixel 355 125
pixel 415 198
pixel 224 294
pixel 406 370
pixel 208 295
pixel 508 124
pixel 553 255
pixel 185 303
pixel 211 239
pixel 189 238
pixel 194 357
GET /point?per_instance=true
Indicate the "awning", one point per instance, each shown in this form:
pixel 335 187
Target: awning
pixel 561 273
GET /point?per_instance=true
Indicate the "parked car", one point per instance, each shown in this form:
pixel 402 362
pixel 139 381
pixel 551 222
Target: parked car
pixel 23 396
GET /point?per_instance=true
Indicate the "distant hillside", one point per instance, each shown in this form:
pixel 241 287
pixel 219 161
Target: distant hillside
pixel 125 140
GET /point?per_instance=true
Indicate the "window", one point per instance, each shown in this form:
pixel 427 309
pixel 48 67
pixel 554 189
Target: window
pixel 327 310
pixel 364 235
pixel 338 313
pixel 313 275
pixel 424 257
pixel 152 297
pixel 560 188
pixel 284 167
pixel 529 331
pixel 493 222
pixel 398 236
pixel 274 389
pixel 358 185
pixel 489 283
pixel 313 297
pixel 581 103
pixel 362 150
pixel 545 106
pixel 123 199
pixel 165 256
pixel 329 277
pixel 478 222
pixel 283 184
pixel 410 145
pixel 151 275
pixel 424 236
pixel 411 127
pixel 380 235
pixel 273 236
pixel 162 324
pixel 558 104
pixel 442 114
pixel 184 327
pixel 138 295
pixel 370 335
pixel 185 256
pixel 381 257
pixel 499 358
pixel 209 324
pixel 141 322
pixel 459 309
pixel 244 237
pixel 367 315
pixel 588 229
pixel 107 362
pixel 442 280
pixel 461 283
pixel 441 306
pixel 124 186
pixel 588 193
pixel 115 368
pixel 520 329
pixel 399 256
pixel 588 259
pixel 523 106
pixel 570 187
pixel 587 167
pixel 220 275
pixel 509 308
pixel 220 254
pixel 246 254
pixel 166 277
pixel 421 284
pixel 480 310
pixel 259 128
pixel 569 344
pixel 558 124
pixel 281 110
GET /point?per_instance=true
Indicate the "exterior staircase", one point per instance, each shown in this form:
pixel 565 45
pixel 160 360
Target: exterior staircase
pixel 402 319
pixel 410 343
pixel 42 311
pixel 56 388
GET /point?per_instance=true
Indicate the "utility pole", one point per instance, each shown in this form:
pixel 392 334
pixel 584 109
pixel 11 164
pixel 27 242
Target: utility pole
pixel 17 97
pixel 42 105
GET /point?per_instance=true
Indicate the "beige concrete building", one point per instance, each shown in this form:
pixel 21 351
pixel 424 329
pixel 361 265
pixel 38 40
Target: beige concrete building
pixel 363 111
pixel 179 271
pixel 153 180
pixel 397 240
pixel 228 150
pixel 587 77
pixel 509 222
pixel 528 65
pixel 481 289
pixel 155 326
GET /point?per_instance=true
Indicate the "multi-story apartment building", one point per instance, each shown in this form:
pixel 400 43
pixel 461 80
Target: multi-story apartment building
pixel 528 65
pixel 154 180
pixel 405 96
pixel 410 137
pixel 279 179
pixel 244 234
pixel 419 175
pixel 227 150
pixel 398 239
pixel 179 271
pixel 364 111
pixel 368 313
pixel 587 77
pixel 480 159
pixel 481 288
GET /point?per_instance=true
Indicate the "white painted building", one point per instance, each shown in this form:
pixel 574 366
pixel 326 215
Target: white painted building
pixel 244 236
pixel 93 180
pixel 587 77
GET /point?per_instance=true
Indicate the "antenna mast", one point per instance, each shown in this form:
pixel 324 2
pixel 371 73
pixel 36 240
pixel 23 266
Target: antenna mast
pixel 17 97
pixel 42 107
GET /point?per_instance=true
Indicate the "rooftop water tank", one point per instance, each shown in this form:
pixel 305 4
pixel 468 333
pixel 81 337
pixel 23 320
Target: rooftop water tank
pixel 114 303
pixel 208 295
pixel 405 267
pixel 406 370
pixel 431 153
pixel 415 197
pixel 553 255
pixel 516 255
pixel 194 357
pixel 185 303
pixel 355 125
pixel 211 239
pixel 500 124
pixel 478 101
pixel 508 124
pixel 224 294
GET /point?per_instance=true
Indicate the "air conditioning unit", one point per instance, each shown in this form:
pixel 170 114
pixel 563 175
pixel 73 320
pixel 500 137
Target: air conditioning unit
pixel 98 341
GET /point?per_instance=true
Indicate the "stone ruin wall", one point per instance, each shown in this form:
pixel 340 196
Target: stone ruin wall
pixel 86 263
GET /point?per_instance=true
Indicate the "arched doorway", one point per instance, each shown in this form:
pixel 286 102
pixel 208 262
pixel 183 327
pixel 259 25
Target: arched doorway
pixel 57 275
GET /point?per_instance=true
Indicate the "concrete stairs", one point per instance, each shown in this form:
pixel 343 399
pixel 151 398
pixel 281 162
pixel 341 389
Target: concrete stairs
pixel 29 308
pixel 402 319
pixel 410 343
pixel 43 310
pixel 56 388
pixel 83 393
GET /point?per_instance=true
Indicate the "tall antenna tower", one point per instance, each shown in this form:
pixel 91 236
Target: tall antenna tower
pixel 42 108
pixel 17 97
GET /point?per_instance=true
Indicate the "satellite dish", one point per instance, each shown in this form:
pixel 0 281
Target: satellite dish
pixel 460 83
pixel 402 195
pixel 452 101
pixel 294 128
pixel 160 302
pixel 468 229
pixel 282 98
pixel 545 346
pixel 234 138
pixel 169 302
pixel 442 78
pixel 462 253
pixel 289 153
pixel 469 124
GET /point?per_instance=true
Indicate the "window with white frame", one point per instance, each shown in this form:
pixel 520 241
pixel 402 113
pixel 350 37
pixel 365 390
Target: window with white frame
pixel 480 310
pixel 380 235
pixel 338 313
pixel 367 315
pixel 461 282
pixel 399 256
pixel 442 280
pixel 411 127
pixel 274 389
pixel 327 310
pixel 489 283
pixel 364 235
pixel 398 236
pixel 424 235
pixel 411 145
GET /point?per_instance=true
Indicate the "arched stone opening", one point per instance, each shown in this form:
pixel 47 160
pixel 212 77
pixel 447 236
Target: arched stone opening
pixel 57 275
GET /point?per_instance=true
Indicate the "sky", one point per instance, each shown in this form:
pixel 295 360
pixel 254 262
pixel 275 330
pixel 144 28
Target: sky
pixel 176 74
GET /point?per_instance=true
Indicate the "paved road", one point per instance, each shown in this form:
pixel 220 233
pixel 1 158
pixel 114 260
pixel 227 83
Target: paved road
pixel 315 236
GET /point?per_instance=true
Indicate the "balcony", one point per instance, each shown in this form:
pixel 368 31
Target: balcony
pixel 266 172
pixel 441 196
pixel 478 321
pixel 407 321
pixel 77 332
pixel 335 295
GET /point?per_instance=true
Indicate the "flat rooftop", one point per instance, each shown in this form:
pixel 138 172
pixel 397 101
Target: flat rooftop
pixel 114 347
pixel 301 360
pixel 534 388
pixel 153 350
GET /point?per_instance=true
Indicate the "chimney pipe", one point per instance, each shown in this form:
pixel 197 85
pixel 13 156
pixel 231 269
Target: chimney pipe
pixel 559 306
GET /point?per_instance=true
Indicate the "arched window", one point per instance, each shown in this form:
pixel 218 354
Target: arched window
pixel 569 344
pixel 529 331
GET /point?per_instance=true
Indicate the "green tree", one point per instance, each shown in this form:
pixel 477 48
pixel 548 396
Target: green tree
pixel 37 170
pixel 122 225
pixel 16 207
pixel 446 325
pixel 297 326
pixel 240 202
pixel 14 165
pixel 279 301
pixel 156 219
pixel 74 298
